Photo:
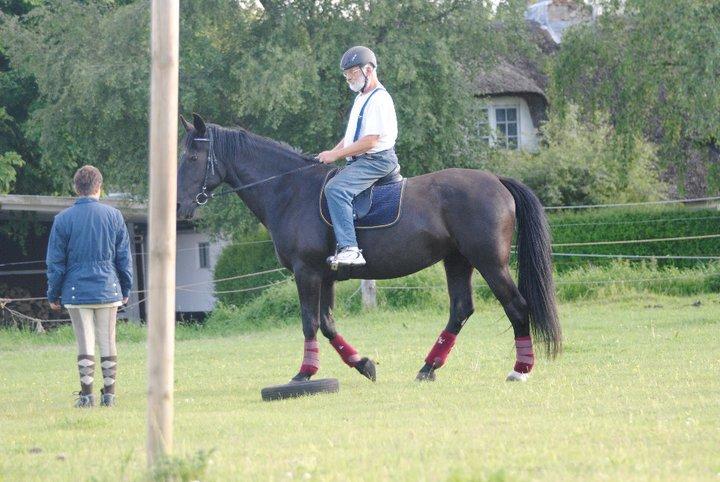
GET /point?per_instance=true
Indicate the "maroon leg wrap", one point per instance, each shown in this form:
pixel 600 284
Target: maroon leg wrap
pixel 311 358
pixel 441 349
pixel 346 351
pixel 525 359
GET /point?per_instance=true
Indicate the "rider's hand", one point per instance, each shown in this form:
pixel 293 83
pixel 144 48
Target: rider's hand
pixel 125 300
pixel 327 157
pixel 55 306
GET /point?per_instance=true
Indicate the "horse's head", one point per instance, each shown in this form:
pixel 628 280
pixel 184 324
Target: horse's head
pixel 199 172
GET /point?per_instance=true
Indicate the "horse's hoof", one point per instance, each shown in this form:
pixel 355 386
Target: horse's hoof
pixel 425 377
pixel 300 377
pixel 426 374
pixel 514 376
pixel 367 368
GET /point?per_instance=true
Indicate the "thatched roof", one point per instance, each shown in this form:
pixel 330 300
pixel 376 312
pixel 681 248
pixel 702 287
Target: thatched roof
pixel 506 78
pixel 518 75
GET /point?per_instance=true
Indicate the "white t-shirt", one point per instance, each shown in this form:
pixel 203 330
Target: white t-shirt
pixel 378 119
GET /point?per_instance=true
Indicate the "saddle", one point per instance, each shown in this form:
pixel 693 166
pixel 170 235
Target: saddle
pixel 378 206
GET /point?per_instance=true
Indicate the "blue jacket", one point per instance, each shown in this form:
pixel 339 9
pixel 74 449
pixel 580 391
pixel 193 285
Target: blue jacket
pixel 88 256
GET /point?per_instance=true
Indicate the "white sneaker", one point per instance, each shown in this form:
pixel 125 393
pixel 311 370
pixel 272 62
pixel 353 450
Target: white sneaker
pixel 350 256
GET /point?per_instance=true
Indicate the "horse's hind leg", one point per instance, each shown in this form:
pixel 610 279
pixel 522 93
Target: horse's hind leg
pixel 349 355
pixel 459 279
pixel 505 290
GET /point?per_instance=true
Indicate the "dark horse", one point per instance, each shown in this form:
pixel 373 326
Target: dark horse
pixel 464 217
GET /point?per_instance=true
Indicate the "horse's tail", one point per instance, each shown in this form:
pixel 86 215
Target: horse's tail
pixel 535 278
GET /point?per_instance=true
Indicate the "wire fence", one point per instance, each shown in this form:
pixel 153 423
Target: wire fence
pixel 623 205
pixel 555 245
pixel 19 318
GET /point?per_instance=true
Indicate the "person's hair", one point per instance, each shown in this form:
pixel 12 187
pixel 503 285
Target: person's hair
pixel 87 180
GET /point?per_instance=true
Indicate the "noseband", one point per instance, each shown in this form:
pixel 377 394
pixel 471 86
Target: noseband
pixel 204 196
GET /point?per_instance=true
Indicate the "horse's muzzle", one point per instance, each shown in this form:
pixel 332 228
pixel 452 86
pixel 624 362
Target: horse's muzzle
pixel 186 211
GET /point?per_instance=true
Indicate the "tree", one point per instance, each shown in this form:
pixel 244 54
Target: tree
pixel 272 68
pixel 654 67
pixel 17 92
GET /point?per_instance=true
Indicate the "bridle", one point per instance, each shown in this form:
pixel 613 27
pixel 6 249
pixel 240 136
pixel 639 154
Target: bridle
pixel 204 196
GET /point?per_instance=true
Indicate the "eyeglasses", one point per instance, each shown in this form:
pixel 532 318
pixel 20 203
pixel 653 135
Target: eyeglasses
pixel 350 73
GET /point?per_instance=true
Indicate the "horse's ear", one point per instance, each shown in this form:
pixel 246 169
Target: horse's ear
pixel 199 124
pixel 185 124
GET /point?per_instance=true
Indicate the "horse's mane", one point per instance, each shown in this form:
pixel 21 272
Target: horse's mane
pixel 229 143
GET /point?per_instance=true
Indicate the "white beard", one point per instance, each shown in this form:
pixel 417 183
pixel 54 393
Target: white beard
pixel 356 86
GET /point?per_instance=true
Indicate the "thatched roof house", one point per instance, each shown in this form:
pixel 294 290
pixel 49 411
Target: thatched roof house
pixel 514 89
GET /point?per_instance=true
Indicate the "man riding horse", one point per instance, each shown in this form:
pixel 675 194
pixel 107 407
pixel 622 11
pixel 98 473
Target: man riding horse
pixel 368 146
pixel 465 218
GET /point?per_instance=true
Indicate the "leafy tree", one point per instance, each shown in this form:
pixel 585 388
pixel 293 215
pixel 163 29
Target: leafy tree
pixel 92 78
pixel 8 163
pixel 17 92
pixel 270 67
pixel 654 67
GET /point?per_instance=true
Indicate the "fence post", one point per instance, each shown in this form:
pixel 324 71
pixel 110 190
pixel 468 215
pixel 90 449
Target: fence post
pixel 369 293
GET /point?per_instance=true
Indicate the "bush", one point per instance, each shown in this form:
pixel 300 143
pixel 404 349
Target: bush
pixel 255 254
pixel 585 163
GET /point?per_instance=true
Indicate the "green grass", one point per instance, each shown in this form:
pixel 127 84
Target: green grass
pixel 635 396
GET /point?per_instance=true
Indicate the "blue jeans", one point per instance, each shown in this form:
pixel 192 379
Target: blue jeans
pixel 359 174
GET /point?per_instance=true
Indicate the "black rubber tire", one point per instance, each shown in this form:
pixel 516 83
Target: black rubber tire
pixel 299 389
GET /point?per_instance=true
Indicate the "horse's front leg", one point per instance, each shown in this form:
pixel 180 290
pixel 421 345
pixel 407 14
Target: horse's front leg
pixel 308 286
pixel 349 355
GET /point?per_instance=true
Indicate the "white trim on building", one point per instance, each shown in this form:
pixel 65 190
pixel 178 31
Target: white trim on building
pixel 507 123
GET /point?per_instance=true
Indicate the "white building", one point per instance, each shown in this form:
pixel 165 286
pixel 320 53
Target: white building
pixel 512 93
pixel 22 267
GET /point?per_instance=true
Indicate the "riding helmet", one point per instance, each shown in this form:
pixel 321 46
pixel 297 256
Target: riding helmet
pixel 357 56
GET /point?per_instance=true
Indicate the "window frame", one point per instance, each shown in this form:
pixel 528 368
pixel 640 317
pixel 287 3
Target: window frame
pixel 204 255
pixel 504 142
pixel 495 138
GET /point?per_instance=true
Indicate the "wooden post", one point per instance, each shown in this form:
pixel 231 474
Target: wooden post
pixel 369 293
pixel 161 242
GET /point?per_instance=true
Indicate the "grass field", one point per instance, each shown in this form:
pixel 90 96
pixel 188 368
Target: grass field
pixel 635 396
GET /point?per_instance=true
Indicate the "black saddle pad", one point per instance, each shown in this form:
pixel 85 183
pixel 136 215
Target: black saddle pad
pixel 379 206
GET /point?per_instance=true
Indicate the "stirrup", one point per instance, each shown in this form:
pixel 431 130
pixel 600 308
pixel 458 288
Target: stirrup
pixel 332 259
pixel 335 262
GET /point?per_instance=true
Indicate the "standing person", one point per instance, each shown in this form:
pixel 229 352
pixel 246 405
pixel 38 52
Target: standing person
pixel 90 272
pixel 368 145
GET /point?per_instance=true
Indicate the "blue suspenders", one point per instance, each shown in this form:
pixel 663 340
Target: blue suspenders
pixel 362 112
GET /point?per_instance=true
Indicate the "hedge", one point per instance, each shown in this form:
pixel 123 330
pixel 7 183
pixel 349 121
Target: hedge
pixel 253 255
pixel 257 253
pixel 426 291
pixel 612 224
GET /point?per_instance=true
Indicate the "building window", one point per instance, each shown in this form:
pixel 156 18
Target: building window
pixel 506 127
pixel 483 125
pixel 204 251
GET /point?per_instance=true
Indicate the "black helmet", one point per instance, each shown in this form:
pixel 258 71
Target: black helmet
pixel 357 56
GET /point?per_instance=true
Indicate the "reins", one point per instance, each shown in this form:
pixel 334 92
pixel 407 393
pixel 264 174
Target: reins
pixel 203 196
